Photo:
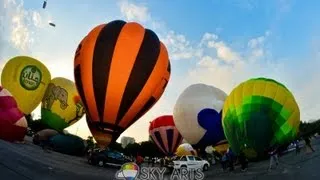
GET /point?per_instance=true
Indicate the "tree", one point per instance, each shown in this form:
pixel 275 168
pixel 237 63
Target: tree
pixel 132 149
pixel 116 147
pixel 90 142
pixel 148 148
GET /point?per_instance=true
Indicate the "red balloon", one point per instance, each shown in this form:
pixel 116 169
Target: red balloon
pixel 165 134
pixel 13 125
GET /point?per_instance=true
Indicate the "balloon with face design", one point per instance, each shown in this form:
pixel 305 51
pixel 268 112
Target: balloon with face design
pixel 197 115
pixel 61 105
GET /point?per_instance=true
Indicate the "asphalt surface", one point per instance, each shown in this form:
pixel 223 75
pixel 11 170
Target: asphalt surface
pixel 30 162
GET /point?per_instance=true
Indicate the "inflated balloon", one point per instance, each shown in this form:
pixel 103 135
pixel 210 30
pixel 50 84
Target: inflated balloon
pixel 61 105
pixel 121 70
pixel 27 79
pixel 185 150
pixel 165 134
pixel 13 125
pixel 260 113
pixel 197 115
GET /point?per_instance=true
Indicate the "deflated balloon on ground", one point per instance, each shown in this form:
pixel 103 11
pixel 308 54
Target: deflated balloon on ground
pixel 258 114
pixel 121 70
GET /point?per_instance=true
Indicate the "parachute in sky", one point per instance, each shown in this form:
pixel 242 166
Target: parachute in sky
pixel 61 105
pixel 185 150
pixel 52 24
pixel 197 115
pixel 121 70
pixel 44 5
pixel 13 125
pixel 26 79
pixel 165 134
pixel 258 114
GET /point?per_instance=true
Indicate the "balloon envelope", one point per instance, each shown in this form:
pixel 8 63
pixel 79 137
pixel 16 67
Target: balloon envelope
pixel 27 79
pixel 13 125
pixel 197 115
pixel 121 70
pixel 260 113
pixel 185 150
pixel 165 134
pixel 61 105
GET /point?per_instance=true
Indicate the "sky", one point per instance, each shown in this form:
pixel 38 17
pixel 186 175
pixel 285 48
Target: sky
pixel 216 42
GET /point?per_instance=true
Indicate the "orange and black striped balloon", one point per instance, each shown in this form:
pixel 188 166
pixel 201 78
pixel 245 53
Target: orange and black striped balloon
pixel 121 70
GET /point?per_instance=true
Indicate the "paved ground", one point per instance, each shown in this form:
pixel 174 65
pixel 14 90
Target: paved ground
pixel 27 161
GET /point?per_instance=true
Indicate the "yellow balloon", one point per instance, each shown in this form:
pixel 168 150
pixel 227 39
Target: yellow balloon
pixel 185 150
pixel 61 105
pixel 27 80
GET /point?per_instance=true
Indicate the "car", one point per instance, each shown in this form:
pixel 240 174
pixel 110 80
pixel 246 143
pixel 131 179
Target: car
pixel 191 162
pixel 107 158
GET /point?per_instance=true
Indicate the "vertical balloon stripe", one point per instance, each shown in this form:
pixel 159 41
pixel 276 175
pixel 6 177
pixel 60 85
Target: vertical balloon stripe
pixel 123 59
pixel 78 81
pixel 86 58
pixel 163 134
pixel 142 111
pixel 154 86
pixel 158 138
pixel 143 67
pixel 154 139
pixel 177 139
pixel 169 67
pixel 103 52
pixel 170 137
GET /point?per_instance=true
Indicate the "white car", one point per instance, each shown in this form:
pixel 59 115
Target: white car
pixel 191 162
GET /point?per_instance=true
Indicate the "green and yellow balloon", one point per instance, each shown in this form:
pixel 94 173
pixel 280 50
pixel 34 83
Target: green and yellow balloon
pixel 61 105
pixel 260 113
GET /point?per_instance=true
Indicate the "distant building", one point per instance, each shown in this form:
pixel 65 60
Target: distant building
pixel 125 141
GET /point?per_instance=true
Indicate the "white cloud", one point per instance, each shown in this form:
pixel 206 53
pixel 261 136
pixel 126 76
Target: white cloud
pixel 133 12
pixel 18 23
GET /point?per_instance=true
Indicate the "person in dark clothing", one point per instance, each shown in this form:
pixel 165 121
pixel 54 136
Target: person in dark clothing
pixel 230 157
pixel 273 152
pixel 224 162
pixel 308 143
pixel 243 161
pixel 297 147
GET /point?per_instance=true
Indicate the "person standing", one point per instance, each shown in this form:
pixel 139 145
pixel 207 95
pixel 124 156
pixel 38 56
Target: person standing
pixel 243 161
pixel 308 143
pixel 297 147
pixel 273 152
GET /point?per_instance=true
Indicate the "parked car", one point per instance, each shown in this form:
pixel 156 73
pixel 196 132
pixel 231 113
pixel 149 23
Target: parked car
pixel 191 162
pixel 107 158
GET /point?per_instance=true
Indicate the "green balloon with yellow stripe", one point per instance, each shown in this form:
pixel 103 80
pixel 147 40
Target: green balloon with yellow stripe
pixel 260 113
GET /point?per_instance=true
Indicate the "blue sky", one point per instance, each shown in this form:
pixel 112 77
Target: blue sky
pixel 217 42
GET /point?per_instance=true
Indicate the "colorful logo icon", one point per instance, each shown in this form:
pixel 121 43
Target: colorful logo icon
pixel 30 77
pixel 128 171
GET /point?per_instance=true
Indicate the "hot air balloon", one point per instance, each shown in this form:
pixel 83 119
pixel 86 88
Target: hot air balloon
pixel 61 105
pixel 197 115
pixel 165 134
pixel 121 70
pixel 13 125
pixel 27 79
pixel 258 114
pixel 185 150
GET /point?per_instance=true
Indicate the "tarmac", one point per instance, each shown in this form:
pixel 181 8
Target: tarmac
pixel 30 162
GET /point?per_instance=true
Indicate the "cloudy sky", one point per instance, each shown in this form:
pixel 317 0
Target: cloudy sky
pixel 217 42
